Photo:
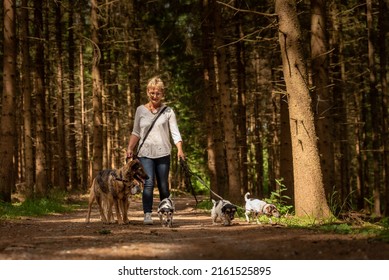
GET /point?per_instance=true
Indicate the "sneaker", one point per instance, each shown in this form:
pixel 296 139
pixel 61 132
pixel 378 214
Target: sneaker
pixel 148 220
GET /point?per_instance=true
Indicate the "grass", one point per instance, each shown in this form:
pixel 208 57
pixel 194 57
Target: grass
pixel 56 202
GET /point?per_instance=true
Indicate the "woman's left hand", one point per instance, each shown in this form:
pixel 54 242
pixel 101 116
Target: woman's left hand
pixel 181 155
pixel 180 151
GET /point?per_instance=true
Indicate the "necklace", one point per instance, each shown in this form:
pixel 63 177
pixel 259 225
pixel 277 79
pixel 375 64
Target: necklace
pixel 152 110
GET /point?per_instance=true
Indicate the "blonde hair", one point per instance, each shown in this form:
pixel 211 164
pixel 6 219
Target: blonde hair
pixel 156 82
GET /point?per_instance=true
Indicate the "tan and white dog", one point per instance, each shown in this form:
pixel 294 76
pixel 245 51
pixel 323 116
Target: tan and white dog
pixel 257 207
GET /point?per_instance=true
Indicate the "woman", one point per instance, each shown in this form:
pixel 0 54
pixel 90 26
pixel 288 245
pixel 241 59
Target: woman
pixel 155 148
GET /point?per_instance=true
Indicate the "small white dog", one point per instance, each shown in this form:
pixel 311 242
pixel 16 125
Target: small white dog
pixel 165 212
pixel 259 207
pixel 224 210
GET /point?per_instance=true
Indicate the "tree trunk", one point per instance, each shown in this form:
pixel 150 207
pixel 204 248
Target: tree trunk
pixel 234 191
pixel 8 124
pixel 383 29
pixel 309 188
pixel 215 143
pixel 97 94
pixel 40 108
pixel 241 104
pixel 341 146
pixel 72 112
pixel 323 103
pixel 375 111
pixel 61 145
pixel 27 103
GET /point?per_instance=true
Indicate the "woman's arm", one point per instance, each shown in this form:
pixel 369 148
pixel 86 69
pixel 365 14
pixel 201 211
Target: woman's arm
pixel 180 152
pixel 131 145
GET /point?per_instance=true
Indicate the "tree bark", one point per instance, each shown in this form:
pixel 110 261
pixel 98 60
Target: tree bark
pixel 309 188
pixel 8 123
pixel 97 94
pixel 27 103
pixel 338 75
pixel 375 111
pixel 234 188
pixel 40 108
pixel 215 143
pixel 241 100
pixel 383 30
pixel 72 109
pixel 323 102
pixel 61 145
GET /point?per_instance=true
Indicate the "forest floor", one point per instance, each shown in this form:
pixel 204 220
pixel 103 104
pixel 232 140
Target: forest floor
pixel 193 237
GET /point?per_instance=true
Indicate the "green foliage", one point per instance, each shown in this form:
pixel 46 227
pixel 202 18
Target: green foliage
pixel 385 223
pixel 337 228
pixel 336 205
pixel 205 205
pixel 279 199
pixel 200 185
pixel 35 207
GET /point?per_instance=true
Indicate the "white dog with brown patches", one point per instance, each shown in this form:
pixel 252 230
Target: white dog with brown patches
pixel 165 212
pixel 257 207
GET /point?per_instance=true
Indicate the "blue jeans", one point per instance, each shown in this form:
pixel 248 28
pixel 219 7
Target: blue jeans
pixel 157 169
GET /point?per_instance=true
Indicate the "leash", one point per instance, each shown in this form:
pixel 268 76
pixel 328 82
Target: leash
pixel 188 182
pixel 189 174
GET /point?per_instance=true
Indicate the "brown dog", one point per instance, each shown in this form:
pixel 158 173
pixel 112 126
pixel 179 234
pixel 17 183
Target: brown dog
pixel 111 187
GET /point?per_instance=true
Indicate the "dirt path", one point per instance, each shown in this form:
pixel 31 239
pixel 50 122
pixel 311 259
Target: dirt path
pixel 67 236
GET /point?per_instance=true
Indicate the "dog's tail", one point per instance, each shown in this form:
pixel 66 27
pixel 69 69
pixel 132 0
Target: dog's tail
pixel 246 196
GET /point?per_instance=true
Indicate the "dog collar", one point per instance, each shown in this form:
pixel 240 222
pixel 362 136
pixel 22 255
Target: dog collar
pixel 119 178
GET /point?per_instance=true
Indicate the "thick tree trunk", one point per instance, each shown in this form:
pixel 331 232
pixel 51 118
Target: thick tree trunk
pixel 8 124
pixel 309 188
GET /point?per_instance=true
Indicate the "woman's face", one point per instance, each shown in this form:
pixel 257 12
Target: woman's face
pixel 155 95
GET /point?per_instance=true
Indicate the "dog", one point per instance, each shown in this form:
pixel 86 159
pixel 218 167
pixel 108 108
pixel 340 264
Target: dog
pixel 135 188
pixel 224 210
pixel 258 207
pixel 111 187
pixel 165 212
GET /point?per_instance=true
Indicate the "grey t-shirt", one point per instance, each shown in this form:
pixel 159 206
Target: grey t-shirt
pixel 157 143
